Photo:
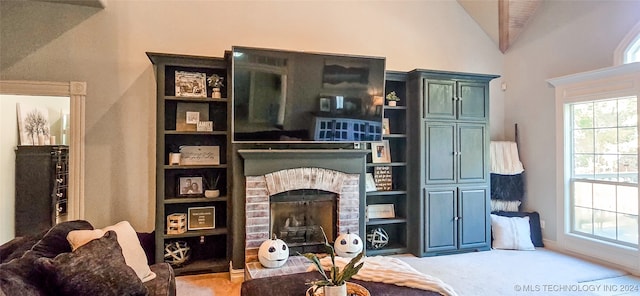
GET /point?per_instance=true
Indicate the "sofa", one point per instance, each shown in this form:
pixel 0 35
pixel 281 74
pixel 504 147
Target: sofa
pixel 49 263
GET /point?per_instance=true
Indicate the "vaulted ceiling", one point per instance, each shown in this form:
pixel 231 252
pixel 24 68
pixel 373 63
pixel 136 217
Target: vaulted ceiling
pixel 502 20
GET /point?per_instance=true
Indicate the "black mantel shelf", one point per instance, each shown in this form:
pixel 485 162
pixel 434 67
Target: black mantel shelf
pixel 261 161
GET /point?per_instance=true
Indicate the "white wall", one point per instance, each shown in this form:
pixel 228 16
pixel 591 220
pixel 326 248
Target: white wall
pixel 106 48
pixel 564 37
pixel 9 139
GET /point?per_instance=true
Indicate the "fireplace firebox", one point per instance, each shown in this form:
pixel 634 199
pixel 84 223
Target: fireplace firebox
pixel 298 217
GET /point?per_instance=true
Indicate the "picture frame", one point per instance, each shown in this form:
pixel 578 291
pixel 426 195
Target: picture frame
pixel 339 73
pixel 381 211
pixel 190 186
pixel 199 218
pixel 370 184
pixel 186 118
pixel 383 178
pixel 204 126
pixel 386 128
pixel 191 84
pixel 33 124
pixel 199 155
pixel 325 105
pixel 380 152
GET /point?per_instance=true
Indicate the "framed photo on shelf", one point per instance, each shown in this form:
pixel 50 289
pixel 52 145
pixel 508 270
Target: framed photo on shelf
pixel 191 84
pixel 201 218
pixel 325 105
pixel 386 128
pixel 190 186
pixel 380 152
pixel 188 115
pixel 381 211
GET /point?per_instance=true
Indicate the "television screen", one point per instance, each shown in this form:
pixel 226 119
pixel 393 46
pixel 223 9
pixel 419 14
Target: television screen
pixel 290 96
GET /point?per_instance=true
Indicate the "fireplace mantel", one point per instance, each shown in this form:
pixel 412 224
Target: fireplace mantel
pixel 341 171
pixel 263 161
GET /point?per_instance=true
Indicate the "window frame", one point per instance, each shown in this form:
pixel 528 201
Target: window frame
pixel 631 41
pixel 613 82
pixel 570 128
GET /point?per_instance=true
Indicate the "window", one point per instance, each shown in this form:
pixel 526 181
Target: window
pixel 604 169
pixel 632 54
pixel 628 51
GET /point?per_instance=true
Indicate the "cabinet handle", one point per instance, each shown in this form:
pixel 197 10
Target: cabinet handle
pixel 456 218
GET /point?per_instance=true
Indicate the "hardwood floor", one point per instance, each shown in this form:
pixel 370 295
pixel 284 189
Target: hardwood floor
pixel 219 283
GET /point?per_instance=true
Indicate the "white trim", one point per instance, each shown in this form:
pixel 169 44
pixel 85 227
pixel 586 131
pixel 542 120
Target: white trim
pixel 617 81
pixel 632 37
pixel 77 92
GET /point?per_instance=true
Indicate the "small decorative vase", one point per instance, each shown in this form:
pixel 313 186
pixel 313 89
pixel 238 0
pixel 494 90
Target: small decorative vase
pixel 392 103
pixel 216 94
pixel 335 290
pixel 212 193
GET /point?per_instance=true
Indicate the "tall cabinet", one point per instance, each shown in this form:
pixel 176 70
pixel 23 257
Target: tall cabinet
pixel 196 217
pixel 449 147
pixel 396 195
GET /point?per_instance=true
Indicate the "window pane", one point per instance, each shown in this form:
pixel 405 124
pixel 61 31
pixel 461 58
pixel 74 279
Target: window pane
pixel 604 224
pixel 628 228
pixel 627 112
pixel 583 141
pixel 604 197
pixel 583 166
pixel 582 220
pixel 627 200
pixel 583 115
pixel 628 140
pixel 582 194
pixel 607 167
pixel 606 140
pixel 628 168
pixel 605 113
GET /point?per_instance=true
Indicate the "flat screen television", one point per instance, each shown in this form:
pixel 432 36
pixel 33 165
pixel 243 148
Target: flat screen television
pixel 293 96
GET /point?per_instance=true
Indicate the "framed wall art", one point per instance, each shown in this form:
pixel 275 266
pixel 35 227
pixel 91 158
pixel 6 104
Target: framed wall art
pixel 191 84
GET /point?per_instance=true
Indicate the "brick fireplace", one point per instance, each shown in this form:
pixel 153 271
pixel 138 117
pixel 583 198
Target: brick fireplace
pixel 271 172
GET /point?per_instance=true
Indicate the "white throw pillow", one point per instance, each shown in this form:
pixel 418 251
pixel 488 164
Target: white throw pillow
pixel 128 240
pixel 511 233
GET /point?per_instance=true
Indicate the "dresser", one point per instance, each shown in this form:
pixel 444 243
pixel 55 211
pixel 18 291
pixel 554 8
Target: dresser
pixel 41 187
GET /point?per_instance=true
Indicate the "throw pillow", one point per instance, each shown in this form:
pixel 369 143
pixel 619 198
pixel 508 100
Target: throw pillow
pixel 55 242
pixel 505 205
pixel 511 233
pixel 534 224
pixel 97 268
pixel 133 253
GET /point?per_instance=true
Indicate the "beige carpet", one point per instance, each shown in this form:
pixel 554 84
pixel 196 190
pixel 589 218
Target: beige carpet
pixel 502 272
pixel 494 273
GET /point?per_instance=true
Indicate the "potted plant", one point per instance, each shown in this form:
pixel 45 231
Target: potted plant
pixel 334 282
pixel 392 98
pixel 215 81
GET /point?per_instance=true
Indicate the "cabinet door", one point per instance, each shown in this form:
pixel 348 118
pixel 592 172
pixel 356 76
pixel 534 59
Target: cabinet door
pixel 439 99
pixel 440 210
pixel 440 153
pixel 473 217
pixel 473 101
pixel 472 153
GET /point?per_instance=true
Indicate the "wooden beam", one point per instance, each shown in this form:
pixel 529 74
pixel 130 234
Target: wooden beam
pixel 503 25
